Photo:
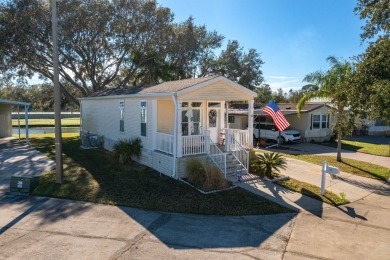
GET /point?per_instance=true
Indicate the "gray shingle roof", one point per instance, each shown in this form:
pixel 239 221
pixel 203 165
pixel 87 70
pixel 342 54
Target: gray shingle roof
pixel 165 87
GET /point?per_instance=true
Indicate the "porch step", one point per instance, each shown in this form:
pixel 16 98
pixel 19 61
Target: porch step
pixel 233 166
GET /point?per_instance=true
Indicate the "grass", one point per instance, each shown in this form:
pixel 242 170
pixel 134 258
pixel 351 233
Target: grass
pixel 313 192
pixel 90 176
pixel 46 122
pixel 359 168
pixel 361 147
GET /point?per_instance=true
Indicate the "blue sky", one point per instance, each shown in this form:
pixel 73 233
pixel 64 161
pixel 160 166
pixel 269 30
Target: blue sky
pixel 294 37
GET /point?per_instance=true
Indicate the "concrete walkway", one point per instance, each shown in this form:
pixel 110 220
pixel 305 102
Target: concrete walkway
pixel 17 158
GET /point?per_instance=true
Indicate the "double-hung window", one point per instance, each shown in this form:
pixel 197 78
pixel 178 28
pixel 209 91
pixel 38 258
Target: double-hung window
pixel 320 121
pixel 144 116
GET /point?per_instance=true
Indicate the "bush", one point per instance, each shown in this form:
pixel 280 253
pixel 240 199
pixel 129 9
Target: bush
pixel 195 172
pixel 206 177
pixel 124 149
pixel 214 178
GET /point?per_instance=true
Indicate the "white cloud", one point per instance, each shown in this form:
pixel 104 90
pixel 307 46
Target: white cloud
pixel 284 82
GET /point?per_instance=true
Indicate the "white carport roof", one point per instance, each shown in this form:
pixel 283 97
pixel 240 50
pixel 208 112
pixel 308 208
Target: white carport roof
pixel 11 102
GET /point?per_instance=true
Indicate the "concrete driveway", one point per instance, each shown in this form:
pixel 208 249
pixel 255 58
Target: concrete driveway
pixel 17 158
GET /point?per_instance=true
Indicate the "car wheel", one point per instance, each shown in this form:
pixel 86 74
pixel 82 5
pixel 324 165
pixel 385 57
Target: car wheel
pixel 280 140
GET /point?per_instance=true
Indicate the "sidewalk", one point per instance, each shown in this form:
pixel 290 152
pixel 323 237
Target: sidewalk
pixel 354 187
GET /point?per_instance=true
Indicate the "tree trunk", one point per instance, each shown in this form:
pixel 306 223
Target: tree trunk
pixel 338 147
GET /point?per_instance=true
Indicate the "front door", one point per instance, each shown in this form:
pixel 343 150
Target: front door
pixel 214 120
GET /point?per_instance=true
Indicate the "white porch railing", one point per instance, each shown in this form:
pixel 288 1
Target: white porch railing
pixel 241 136
pixel 193 144
pixel 236 148
pixel 218 157
pixel 164 142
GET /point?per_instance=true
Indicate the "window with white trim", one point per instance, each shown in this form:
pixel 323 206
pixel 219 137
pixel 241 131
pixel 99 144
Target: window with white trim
pixel 320 121
pixel 231 119
pixel 191 118
pixel 144 116
pixel 122 116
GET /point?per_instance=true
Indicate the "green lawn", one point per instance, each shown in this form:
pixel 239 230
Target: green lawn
pixel 351 166
pixel 90 175
pixel 47 122
pixel 313 191
pixel 375 149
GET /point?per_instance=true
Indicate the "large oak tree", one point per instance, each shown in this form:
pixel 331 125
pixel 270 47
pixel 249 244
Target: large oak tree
pixel 115 43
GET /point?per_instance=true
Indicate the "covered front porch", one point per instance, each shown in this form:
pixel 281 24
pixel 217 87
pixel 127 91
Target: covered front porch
pixel 197 127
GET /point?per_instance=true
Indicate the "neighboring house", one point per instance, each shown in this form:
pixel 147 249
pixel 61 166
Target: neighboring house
pixel 6 117
pixel 175 120
pixel 314 124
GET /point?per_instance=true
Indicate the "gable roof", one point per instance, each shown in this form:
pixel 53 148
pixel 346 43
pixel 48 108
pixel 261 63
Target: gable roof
pixel 165 87
pixel 169 87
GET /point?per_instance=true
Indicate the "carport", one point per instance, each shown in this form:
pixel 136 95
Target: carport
pixel 6 117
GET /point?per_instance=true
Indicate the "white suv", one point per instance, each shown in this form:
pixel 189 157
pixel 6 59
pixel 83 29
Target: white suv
pixel 269 131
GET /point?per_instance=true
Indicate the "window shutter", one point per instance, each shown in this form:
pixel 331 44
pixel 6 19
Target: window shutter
pixel 327 122
pixel 311 121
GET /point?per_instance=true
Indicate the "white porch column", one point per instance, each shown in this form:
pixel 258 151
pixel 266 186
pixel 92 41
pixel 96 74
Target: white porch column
pixel 227 140
pixel 207 141
pixel 250 122
pixel 227 115
pixel 179 130
pixel 222 116
pixel 154 124
pixel 26 122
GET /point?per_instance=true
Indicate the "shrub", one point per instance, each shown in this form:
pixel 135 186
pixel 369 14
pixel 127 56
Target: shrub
pixel 195 172
pixel 124 149
pixel 214 178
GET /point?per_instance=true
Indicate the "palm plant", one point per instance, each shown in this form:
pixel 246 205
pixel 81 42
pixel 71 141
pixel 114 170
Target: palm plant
pixel 268 163
pixel 334 87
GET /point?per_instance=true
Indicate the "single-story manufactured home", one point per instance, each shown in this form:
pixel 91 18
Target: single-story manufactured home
pixel 175 120
pixel 6 117
pixel 314 124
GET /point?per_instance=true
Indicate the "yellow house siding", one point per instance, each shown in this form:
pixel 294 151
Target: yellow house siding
pixel 216 91
pixel 5 120
pixel 165 116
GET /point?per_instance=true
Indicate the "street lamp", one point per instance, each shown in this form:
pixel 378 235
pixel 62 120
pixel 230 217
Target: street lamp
pixel 57 97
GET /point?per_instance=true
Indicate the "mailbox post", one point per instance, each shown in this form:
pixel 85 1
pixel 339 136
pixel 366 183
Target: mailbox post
pixel 327 169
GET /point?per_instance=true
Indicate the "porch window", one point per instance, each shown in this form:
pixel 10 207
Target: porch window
pixel 191 118
pixel 143 107
pixel 231 119
pixel 320 121
pixel 122 116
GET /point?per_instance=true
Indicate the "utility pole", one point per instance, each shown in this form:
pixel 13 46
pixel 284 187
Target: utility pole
pixel 57 97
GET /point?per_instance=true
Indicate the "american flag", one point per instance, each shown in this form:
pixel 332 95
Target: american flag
pixel 273 111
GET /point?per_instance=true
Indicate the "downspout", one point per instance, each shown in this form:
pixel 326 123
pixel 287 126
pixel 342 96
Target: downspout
pixel 174 98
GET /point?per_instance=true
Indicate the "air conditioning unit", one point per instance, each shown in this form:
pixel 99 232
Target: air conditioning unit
pixel 24 183
pixel 90 141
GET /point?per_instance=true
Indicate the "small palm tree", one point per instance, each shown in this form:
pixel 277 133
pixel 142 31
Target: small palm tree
pixel 268 163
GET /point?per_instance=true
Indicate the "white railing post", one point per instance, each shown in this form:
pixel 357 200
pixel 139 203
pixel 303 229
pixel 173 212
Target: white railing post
pixel 227 139
pixel 207 141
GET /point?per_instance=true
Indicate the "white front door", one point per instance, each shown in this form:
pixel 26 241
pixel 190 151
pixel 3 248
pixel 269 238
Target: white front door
pixel 214 120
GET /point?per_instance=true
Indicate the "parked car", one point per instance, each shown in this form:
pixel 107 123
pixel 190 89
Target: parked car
pixel 269 131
